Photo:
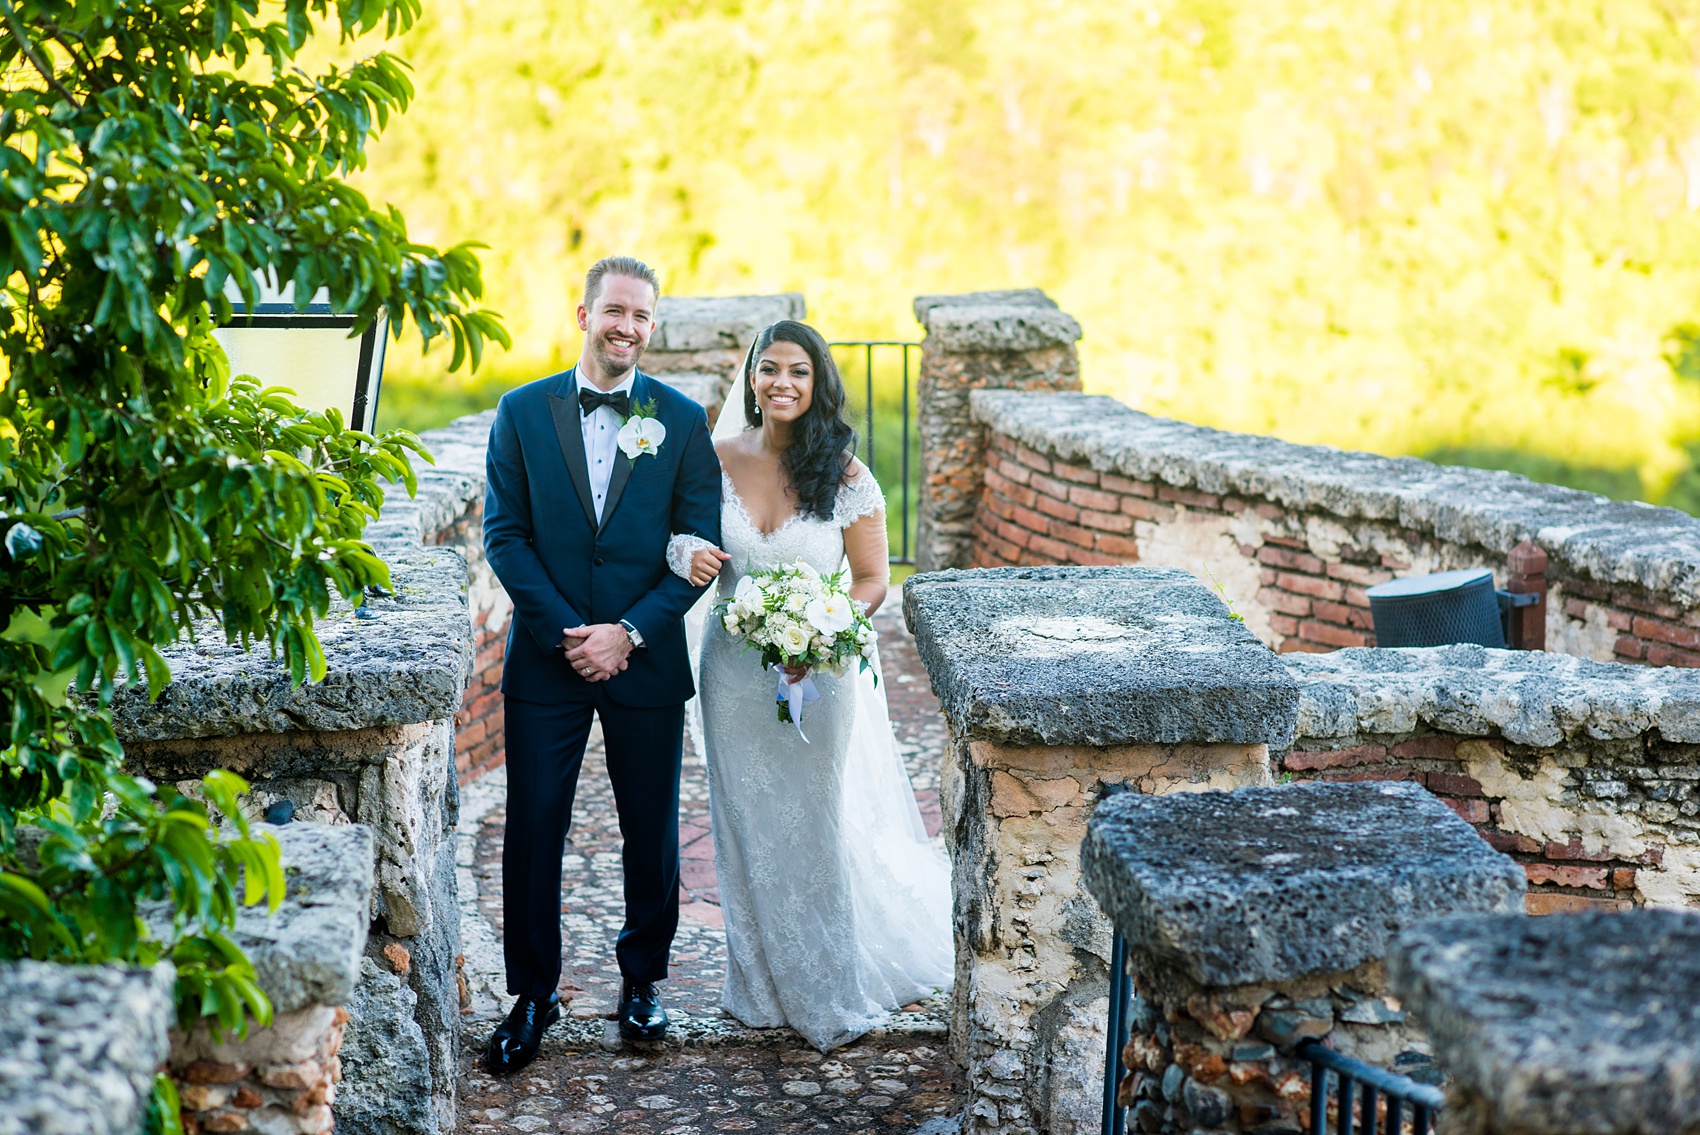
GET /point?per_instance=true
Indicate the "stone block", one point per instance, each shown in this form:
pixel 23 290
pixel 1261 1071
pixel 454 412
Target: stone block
pixel 307 952
pixel 706 323
pixel 1272 884
pixel 1095 656
pixel 1571 1024
pixel 1528 697
pixel 80 1046
pixel 992 329
pixel 387 1084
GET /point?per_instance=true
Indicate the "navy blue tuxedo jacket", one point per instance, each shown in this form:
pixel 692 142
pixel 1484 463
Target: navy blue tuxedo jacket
pixel 563 569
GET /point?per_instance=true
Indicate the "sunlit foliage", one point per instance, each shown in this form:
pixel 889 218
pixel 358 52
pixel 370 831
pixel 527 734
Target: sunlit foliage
pixel 1402 226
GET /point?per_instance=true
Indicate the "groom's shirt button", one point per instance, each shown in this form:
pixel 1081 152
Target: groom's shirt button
pixel 597 562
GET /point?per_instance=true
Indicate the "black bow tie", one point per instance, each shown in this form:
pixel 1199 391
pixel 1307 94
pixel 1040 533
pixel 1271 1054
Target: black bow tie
pixel 619 401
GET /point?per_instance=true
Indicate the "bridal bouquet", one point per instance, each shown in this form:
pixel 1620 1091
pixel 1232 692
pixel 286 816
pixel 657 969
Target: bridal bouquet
pixel 796 616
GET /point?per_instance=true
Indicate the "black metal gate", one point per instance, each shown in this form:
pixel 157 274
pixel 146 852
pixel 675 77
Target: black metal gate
pixel 879 376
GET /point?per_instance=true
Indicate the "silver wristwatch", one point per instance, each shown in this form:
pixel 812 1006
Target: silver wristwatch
pixel 632 633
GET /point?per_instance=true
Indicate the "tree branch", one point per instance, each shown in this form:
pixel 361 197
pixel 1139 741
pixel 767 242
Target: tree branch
pixel 33 56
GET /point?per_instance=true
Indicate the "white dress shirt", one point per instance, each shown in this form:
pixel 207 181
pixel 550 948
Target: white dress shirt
pixel 601 446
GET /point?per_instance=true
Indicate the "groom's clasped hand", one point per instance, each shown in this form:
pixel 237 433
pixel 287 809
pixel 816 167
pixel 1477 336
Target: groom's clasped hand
pixel 598 653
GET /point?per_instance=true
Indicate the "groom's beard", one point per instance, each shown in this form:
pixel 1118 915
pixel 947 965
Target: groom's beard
pixel 615 367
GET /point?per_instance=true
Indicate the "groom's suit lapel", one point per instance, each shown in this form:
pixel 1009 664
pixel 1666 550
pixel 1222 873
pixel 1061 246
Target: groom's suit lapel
pixel 623 465
pixel 564 409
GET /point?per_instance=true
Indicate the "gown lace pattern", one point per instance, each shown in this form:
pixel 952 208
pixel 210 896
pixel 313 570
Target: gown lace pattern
pixel 837 908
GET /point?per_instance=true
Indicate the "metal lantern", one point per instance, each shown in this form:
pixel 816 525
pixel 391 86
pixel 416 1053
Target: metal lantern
pixel 309 352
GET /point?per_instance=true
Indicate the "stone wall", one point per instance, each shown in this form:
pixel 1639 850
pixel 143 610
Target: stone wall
pixel 372 744
pixel 1057 683
pixel 80 1046
pixel 980 340
pixel 1587 773
pixel 1258 920
pixel 283 1079
pixel 1294 534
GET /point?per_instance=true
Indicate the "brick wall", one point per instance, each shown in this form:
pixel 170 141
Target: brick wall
pixel 479 740
pixel 1299 577
pixel 1564 875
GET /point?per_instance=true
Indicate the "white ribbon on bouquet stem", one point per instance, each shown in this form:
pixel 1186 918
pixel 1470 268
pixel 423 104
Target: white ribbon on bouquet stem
pixel 794 694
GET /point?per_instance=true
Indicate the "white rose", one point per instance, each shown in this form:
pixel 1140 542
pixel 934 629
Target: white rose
pixel 793 640
pixel 869 650
pixel 730 622
pixel 640 435
pixel 864 634
pixel 796 602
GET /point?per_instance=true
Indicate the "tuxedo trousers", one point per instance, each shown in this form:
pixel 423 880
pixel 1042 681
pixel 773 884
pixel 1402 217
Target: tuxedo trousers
pixel 545 751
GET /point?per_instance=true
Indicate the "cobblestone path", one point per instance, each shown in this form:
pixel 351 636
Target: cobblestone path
pixel 714 1074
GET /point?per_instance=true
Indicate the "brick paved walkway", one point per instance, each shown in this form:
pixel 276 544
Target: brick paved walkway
pixel 714 1074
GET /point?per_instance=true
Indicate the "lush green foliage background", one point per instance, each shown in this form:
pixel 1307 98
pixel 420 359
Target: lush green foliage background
pixel 1460 225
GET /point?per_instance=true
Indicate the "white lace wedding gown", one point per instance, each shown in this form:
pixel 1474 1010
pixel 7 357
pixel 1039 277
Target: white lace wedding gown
pixel 837 909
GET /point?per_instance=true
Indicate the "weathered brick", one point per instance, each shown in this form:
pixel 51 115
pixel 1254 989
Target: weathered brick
pixel 1686 637
pixel 1658 655
pixel 1560 875
pixel 1510 842
pixel 1470 811
pixel 486 658
pixel 1545 902
pixel 1652 857
pixel 1073 534
pixel 1091 559
pixel 1291 645
pixel 1388 772
pixel 1270 510
pixel 1453 784
pixel 1623 879
pixel 1014 533
pixel 1094 499
pixel 1058 509
pixel 221 1122
pixel 1014 471
pixel 1002 485
pixel 1002 443
pixel 1283 624
pixel 1146 510
pixel 1050 486
pixel 1434 747
pixel 212 1072
pixel 1190 497
pixel 1031 459
pixel 1627 647
pixel 1046 548
pixel 471 734
pixel 1284 601
pixel 1234 504
pixel 1286 541
pixel 1106 521
pixel 1342 614
pixel 1395 563
pixel 1122 548
pixel 1357 573
pixel 998 505
pixel 1637 600
pixel 1117 484
pixel 1030 519
pixel 1335 758
pixel 1293 560
pixel 1619 620
pixel 1358 597
pixel 1574 850
pixel 1309 585
pixel 1074 473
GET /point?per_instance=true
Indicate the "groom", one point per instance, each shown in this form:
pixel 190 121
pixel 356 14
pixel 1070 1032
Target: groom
pixel 590 472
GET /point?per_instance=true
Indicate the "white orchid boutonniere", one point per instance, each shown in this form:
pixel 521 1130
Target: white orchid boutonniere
pixel 642 432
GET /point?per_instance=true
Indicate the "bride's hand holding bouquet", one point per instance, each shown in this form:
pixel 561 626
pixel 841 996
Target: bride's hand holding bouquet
pixel 799 620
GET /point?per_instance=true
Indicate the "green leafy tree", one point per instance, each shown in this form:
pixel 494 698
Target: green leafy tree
pixel 152 152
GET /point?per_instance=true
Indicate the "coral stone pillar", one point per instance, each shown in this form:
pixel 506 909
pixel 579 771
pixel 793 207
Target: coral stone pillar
pixel 1258 919
pixel 1011 340
pixel 1571 1024
pixel 1057 682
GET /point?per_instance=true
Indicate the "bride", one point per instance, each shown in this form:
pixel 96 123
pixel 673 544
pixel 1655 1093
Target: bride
pixel 837 909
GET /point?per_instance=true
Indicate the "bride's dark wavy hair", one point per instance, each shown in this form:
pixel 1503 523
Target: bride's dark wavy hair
pixel 816 460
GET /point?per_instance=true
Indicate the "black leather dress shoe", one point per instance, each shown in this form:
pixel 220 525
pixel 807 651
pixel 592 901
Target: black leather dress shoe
pixel 514 1043
pixel 641 1014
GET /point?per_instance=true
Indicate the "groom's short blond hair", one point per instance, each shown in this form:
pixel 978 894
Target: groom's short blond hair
pixel 629 266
